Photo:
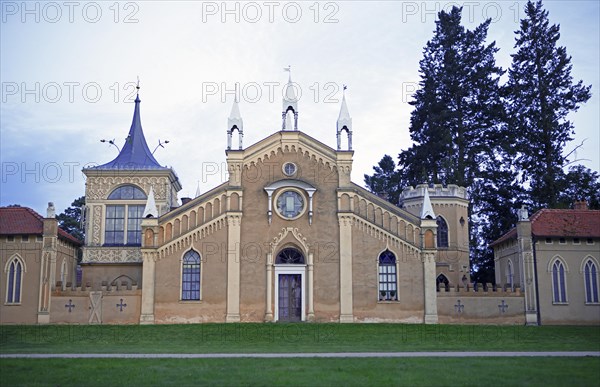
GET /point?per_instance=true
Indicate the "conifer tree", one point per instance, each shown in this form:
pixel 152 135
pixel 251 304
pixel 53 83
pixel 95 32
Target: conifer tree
pixel 540 95
pixel 385 181
pixel 70 220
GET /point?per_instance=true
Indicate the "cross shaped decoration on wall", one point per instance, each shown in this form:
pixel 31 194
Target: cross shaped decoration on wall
pixel 70 305
pixel 121 305
pixel 459 307
pixel 502 307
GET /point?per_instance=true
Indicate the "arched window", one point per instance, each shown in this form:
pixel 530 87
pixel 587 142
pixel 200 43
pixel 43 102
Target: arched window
pixel 388 290
pixel 442 279
pixel 123 223
pixel 190 276
pixel 590 274
pixel 14 279
pixel 442 232
pixel 558 282
pixel 290 256
pixel 127 192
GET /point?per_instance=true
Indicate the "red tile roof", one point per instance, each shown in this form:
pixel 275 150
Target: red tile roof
pixel 561 223
pixel 24 220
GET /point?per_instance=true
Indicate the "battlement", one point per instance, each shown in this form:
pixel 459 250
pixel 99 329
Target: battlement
pixel 479 290
pixel 438 190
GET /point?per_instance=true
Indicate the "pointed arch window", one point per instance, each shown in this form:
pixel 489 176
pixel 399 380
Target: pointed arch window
pixel 442 232
pixel 190 276
pixel 559 288
pixel 388 281
pixel 123 222
pixel 590 273
pixel 14 281
pixel 442 279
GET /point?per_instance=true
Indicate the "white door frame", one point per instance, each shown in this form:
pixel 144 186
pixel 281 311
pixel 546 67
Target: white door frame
pixel 290 269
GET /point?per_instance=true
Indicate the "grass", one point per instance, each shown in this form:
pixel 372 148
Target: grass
pixel 322 372
pixel 248 338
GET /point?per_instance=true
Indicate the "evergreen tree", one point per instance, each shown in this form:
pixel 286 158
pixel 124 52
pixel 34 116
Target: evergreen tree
pixel 541 94
pixel 70 220
pixel 386 180
pixel 457 107
pixel 580 183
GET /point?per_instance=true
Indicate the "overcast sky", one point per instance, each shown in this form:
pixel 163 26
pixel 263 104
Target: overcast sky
pixel 68 71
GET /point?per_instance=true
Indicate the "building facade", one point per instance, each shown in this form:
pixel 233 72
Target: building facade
pixel 553 255
pixel 288 237
pixel 38 258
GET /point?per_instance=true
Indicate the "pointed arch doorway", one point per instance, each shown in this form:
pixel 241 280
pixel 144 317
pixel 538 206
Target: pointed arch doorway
pixel 290 285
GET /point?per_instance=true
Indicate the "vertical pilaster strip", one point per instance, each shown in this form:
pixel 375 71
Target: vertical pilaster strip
pixel 233 266
pixel 149 275
pixel 269 307
pixel 526 258
pixel 310 286
pixel 429 290
pixel 345 224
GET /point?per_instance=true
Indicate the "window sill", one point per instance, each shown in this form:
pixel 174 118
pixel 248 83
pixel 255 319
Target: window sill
pixel 592 303
pixel 12 304
pixel 388 301
pixel 560 303
pixel 190 301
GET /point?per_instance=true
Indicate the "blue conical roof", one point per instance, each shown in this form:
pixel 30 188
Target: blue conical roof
pixel 135 154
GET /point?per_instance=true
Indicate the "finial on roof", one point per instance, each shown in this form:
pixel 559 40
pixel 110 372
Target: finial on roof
pixel 50 211
pixel 135 153
pixel 344 122
pixel 197 190
pixel 427 209
pixel 137 93
pixel 234 122
pixel 150 211
pixel 290 102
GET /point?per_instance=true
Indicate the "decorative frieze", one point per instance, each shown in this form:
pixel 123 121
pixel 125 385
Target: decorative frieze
pixel 112 255
pixel 98 187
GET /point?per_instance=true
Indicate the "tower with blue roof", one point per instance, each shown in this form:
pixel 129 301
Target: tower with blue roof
pixel 116 196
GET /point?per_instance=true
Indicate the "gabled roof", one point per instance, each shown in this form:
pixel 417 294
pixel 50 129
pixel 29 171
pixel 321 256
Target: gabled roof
pixel 135 153
pixel 25 221
pixel 561 224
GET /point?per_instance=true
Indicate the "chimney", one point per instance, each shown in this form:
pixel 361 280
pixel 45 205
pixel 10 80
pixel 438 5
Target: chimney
pixel 580 205
pixel 185 201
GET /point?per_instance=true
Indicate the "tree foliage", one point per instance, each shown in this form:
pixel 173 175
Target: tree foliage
pixel 70 220
pixel 386 180
pixel 540 95
pixel 504 143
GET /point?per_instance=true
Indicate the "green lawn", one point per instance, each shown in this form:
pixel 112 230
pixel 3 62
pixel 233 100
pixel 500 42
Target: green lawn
pixel 322 372
pixel 246 338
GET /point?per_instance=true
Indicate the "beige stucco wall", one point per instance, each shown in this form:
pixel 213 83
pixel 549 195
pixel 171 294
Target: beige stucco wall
pixel 576 310
pixel 30 253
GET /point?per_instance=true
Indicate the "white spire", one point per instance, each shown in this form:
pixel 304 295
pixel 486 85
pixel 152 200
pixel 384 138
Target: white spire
pixel 235 122
pixel 150 211
pixel 344 122
pixel 427 209
pixel 290 100
pixel 235 118
pixel 197 190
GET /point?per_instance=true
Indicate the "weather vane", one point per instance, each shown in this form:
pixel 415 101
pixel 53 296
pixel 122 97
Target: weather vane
pixel 138 83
